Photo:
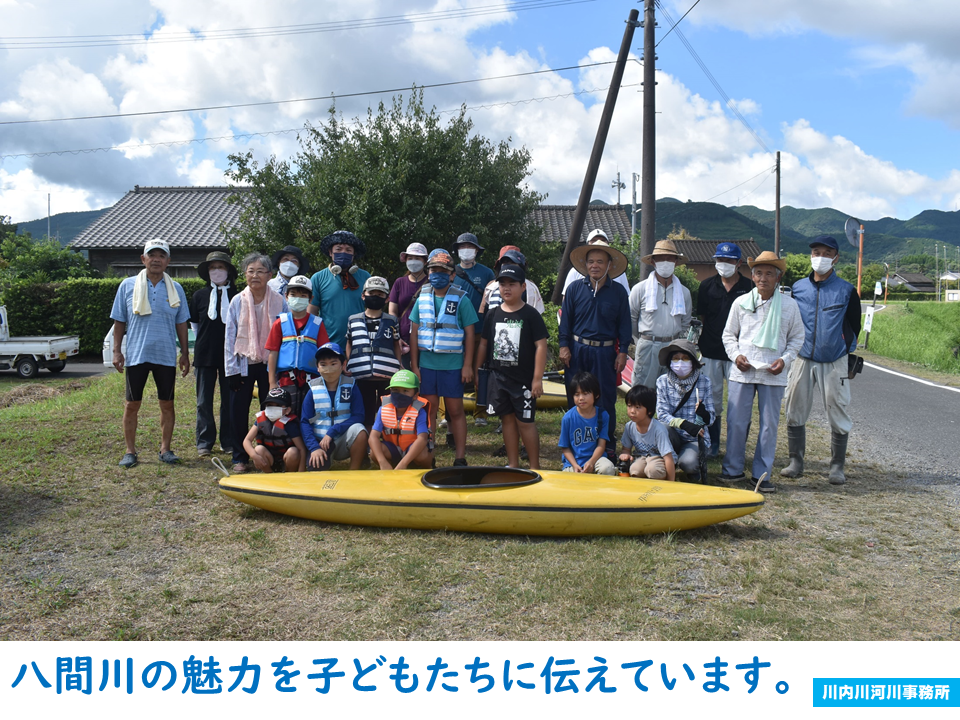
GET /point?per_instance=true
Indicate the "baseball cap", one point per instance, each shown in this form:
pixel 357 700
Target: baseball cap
pixel 278 396
pixel 404 379
pixel 158 244
pixel 728 251
pixel 300 281
pixel 441 258
pixel 512 272
pixel 595 235
pixel 329 349
pixel 375 282
pixel 826 241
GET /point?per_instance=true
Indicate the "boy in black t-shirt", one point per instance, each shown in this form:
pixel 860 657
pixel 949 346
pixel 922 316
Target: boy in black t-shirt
pixel 514 344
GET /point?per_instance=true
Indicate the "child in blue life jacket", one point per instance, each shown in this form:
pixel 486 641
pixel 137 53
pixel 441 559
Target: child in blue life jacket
pixel 331 419
pixel 274 442
pixel 442 346
pixel 584 430
pixel 400 435
pixel 373 346
pixel 293 342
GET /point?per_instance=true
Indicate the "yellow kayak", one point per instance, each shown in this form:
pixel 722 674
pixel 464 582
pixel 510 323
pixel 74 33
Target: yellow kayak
pixel 554 396
pixel 493 500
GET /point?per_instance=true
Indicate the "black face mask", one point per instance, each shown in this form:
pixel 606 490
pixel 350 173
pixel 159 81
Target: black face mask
pixel 374 302
pixel 400 401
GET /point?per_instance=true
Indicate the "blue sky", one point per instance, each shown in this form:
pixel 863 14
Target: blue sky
pixel 864 107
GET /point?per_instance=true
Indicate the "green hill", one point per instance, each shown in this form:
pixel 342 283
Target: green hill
pixel 68 225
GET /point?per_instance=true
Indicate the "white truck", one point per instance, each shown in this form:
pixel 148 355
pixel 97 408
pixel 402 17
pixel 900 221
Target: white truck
pixel 27 355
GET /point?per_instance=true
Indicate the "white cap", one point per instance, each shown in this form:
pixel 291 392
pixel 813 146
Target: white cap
pixel 376 283
pixel 156 244
pixel 596 235
pixel 300 281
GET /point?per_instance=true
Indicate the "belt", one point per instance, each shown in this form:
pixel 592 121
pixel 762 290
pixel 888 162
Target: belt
pixel 655 338
pixel 594 343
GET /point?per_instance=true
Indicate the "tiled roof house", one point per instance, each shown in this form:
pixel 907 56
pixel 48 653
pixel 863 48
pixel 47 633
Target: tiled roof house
pixel 915 282
pixel 188 218
pixel 698 255
pixel 556 221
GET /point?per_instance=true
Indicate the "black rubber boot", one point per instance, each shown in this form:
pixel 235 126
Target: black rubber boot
pixel 797 446
pixel 838 456
pixel 714 431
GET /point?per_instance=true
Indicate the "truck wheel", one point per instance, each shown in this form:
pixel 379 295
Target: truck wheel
pixel 57 366
pixel 27 368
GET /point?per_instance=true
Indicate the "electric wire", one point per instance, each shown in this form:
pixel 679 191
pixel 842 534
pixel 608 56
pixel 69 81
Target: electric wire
pixel 676 23
pixel 765 170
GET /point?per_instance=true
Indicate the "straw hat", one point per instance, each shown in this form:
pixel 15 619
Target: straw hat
pixel 768 258
pixel 663 247
pixel 618 261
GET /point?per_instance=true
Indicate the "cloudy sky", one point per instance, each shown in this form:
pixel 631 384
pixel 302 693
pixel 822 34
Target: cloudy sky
pixel 862 97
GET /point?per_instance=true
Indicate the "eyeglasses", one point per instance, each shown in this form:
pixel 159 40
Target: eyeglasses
pixel 251 271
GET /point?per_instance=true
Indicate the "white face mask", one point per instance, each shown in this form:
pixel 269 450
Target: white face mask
pixel 273 413
pixel 821 265
pixel 725 269
pixel 467 254
pixel 288 269
pixel 298 304
pixel 664 269
pixel 681 368
pixel 415 266
pixel 218 277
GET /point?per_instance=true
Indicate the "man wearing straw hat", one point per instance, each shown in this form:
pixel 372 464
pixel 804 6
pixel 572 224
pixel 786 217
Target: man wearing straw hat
pixel 763 334
pixel 595 322
pixel 660 311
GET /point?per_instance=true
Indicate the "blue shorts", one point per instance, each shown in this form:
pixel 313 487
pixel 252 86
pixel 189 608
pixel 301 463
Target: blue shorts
pixel 443 383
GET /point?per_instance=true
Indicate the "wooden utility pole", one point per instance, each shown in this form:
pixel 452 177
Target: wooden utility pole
pixel 590 179
pixel 776 216
pixel 648 188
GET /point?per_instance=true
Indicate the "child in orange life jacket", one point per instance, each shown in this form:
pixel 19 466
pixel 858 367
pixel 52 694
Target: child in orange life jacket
pixel 293 342
pixel 373 347
pixel 274 442
pixel 400 433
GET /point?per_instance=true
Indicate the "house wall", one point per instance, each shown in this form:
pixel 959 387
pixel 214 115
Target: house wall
pixel 703 270
pixel 127 262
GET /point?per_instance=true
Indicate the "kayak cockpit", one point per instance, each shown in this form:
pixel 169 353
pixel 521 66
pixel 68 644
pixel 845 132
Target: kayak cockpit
pixel 468 477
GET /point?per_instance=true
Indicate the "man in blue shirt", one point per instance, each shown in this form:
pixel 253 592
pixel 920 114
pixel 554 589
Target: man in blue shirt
pixel 151 310
pixel 595 323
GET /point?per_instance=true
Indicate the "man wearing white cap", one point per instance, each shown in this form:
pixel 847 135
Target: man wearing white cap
pixel 151 310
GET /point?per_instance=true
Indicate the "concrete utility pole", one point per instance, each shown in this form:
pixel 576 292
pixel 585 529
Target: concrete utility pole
pixel 776 216
pixel 633 208
pixel 48 216
pixel 593 166
pixel 619 186
pixel 648 189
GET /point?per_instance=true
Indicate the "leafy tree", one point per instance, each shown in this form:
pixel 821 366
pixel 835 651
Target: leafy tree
pixel 400 176
pixel 798 267
pixel 25 258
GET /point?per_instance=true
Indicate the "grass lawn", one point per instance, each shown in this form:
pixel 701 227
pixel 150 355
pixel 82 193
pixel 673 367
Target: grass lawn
pixel 89 550
pixel 924 334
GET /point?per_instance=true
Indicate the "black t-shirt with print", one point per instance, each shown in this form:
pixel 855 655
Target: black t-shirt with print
pixel 511 341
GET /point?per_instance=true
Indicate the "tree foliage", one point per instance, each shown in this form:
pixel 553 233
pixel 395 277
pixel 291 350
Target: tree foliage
pixel 401 176
pixel 23 257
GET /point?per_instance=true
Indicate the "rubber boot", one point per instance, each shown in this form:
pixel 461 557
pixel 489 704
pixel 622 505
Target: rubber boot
pixel 714 430
pixel 838 452
pixel 797 445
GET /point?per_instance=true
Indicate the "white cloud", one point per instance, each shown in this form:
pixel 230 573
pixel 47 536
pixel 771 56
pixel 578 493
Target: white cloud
pixel 23 196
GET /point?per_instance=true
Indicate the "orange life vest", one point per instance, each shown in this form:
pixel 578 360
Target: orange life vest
pixel 401 432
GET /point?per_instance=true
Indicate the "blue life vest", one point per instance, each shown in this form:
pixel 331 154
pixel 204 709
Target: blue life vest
pixel 369 358
pixel 325 414
pixel 823 307
pixel 298 352
pixel 440 334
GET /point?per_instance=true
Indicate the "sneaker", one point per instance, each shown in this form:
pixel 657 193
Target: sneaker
pixel 765 486
pixel 442 423
pixel 239 469
pixel 480 422
pixel 204 452
pixel 228 450
pixel 129 460
pixel 169 458
pixel 460 462
pixel 733 478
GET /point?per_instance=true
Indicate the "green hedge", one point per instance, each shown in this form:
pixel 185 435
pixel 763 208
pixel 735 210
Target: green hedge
pixel 73 307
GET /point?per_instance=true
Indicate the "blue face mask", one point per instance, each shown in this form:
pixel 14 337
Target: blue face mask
pixel 344 260
pixel 439 280
pixel 400 401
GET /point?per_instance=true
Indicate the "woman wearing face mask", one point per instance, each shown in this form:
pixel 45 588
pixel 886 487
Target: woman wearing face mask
pixel 405 287
pixel 337 289
pixel 208 312
pixel 660 310
pixel 685 403
pixel 288 262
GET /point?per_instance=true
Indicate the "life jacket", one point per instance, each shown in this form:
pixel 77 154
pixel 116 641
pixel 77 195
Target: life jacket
pixel 298 352
pixel 441 334
pixel 368 358
pixel 823 307
pixel 274 434
pixel 326 415
pixel 401 432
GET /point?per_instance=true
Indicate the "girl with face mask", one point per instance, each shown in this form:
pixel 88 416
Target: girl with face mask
pixel 405 287
pixel 274 440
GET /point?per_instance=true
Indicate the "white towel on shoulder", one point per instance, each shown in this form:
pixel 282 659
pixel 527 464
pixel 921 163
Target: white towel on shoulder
pixel 141 298
pixel 650 295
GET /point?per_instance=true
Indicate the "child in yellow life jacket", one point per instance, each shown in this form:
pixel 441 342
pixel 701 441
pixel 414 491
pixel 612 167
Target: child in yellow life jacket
pixel 274 442
pixel 400 431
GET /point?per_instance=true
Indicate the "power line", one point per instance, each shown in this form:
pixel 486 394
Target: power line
pixel 766 170
pixel 676 23
pixel 706 71
pixel 331 96
pixel 43 42
pixel 266 133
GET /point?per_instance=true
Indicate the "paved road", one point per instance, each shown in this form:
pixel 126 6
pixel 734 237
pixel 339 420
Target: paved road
pixel 912 425
pixel 72 370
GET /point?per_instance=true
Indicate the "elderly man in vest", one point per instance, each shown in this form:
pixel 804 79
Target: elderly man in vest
pixel 660 311
pixel 595 324
pixel 332 417
pixel 830 308
pixel 763 335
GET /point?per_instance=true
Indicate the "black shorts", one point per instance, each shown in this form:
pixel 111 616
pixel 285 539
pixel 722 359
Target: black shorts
pixel 165 377
pixel 506 396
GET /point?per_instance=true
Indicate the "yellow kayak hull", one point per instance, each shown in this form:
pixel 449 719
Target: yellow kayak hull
pixel 554 396
pixel 544 503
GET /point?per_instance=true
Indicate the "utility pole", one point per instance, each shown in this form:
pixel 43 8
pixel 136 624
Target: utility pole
pixel 648 189
pixel 593 165
pixel 48 216
pixel 619 186
pixel 633 208
pixel 776 216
